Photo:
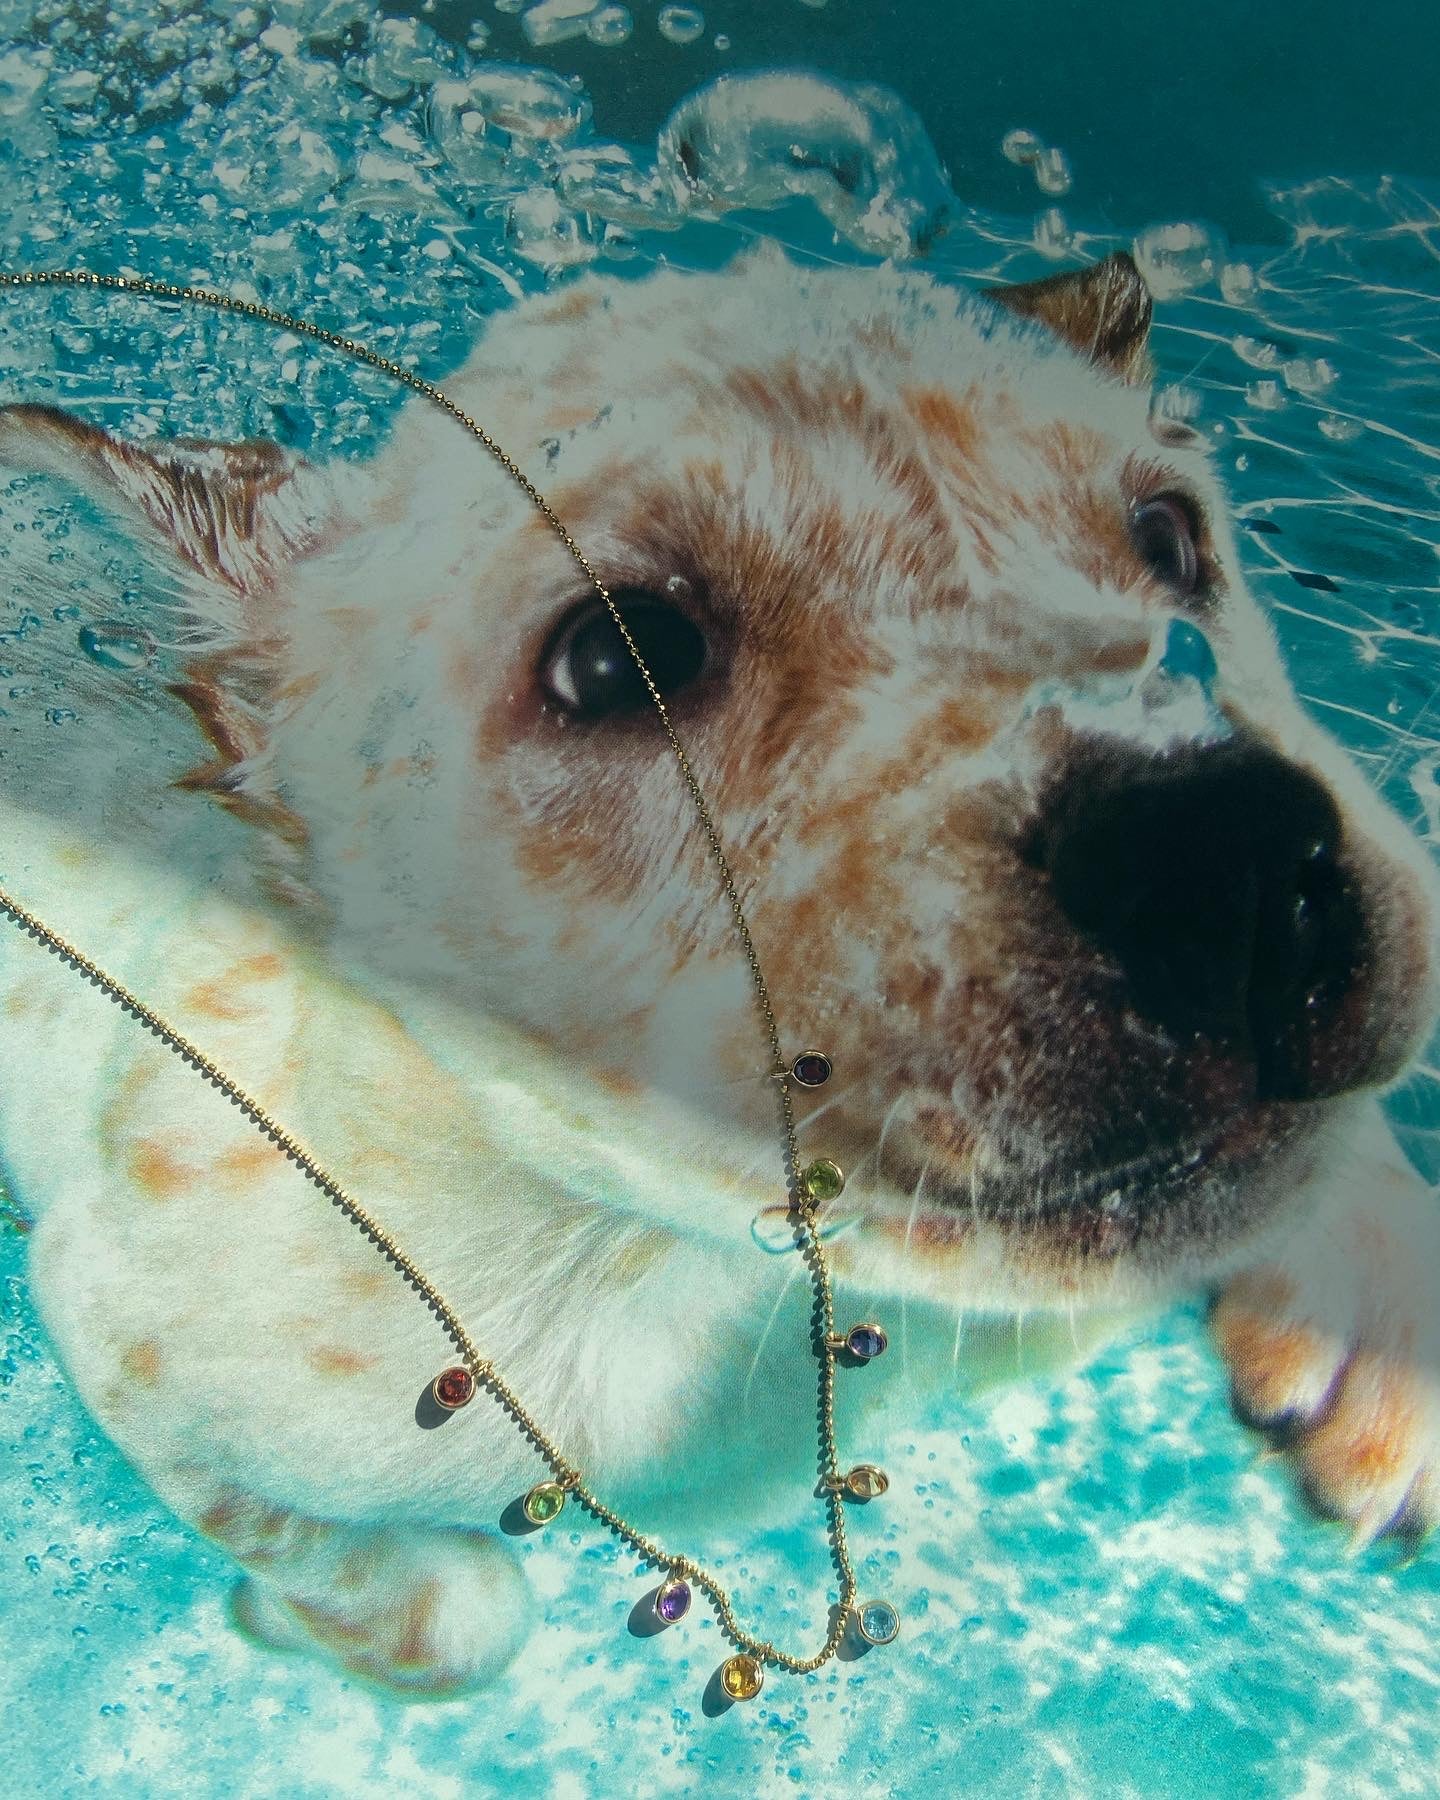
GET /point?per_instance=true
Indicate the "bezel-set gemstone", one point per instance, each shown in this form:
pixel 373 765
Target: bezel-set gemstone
pixel 812 1069
pixel 543 1502
pixel 742 1677
pixel 453 1388
pixel 866 1341
pixel 672 1601
pixel 877 1622
pixel 866 1482
pixel 823 1179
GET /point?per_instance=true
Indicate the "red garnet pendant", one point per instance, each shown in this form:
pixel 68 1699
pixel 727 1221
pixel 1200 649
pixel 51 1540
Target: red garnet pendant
pixel 453 1388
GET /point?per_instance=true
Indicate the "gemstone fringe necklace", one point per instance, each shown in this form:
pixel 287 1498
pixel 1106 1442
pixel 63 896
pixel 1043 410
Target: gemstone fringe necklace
pixel 818 1182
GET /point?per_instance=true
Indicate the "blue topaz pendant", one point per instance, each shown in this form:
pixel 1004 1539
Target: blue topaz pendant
pixel 877 1622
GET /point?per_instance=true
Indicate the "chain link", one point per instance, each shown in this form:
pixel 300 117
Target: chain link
pixel 483 1371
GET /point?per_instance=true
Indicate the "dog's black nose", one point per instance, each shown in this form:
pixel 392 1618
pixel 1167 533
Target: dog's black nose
pixel 1213 876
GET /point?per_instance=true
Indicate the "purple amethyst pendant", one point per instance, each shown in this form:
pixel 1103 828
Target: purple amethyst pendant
pixel 672 1601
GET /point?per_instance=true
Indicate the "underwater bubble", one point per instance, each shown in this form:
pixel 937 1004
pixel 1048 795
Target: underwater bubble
pixel 1052 172
pixel 22 80
pixel 1176 258
pixel 26 626
pixel 1340 430
pixel 609 25
pixel 529 103
pixel 1266 396
pixel 608 180
pixel 855 150
pixel 1309 374
pixel 546 233
pixel 114 645
pixel 1239 283
pixel 283 170
pixel 320 21
pixel 616 241
pixel 553 21
pixel 1021 146
pixel 1177 403
pixel 681 24
pixel 1052 233
pixel 404 55
pixel 457 127
pixel 77 88
pixel 1259 353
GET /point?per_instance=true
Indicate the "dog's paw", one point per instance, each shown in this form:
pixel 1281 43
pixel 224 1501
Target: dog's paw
pixel 422 1613
pixel 1356 1413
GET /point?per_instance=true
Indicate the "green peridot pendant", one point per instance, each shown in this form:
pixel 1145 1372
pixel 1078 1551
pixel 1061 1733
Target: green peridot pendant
pixel 823 1179
pixel 543 1502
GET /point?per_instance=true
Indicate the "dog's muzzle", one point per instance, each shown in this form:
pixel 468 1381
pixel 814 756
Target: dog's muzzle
pixel 1215 876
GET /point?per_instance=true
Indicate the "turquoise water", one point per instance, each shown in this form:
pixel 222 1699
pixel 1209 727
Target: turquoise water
pixel 1113 1601
pixel 1107 1596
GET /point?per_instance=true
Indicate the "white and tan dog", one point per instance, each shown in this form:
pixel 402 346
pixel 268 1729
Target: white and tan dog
pixel 1110 945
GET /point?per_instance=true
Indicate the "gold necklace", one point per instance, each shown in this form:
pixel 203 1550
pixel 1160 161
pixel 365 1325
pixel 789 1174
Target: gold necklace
pixel 741 1675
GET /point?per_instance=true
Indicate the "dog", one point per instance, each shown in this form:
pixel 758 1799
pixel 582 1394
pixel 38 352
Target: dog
pixel 1112 948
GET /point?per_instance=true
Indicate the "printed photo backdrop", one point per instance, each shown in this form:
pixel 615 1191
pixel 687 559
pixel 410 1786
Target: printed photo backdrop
pixel 1103 1588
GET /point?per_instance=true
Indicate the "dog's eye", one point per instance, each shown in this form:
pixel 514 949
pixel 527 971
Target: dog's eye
pixel 1164 532
pixel 589 669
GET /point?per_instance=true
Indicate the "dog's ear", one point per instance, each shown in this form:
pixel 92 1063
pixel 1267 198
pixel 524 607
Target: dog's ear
pixel 237 514
pixel 1103 312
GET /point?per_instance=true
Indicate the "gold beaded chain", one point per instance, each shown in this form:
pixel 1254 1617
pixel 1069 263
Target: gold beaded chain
pixel 741 1675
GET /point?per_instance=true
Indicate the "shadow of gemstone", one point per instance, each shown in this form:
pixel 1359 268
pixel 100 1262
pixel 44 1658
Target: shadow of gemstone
pixel 513 1521
pixel 644 1621
pixel 715 1701
pixel 429 1412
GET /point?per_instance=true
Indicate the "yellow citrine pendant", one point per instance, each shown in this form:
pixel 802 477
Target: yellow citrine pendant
pixel 864 1482
pixel 742 1677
